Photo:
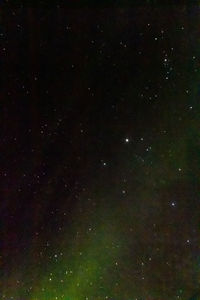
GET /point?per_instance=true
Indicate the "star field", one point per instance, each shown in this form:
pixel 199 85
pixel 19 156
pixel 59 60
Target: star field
pixel 99 146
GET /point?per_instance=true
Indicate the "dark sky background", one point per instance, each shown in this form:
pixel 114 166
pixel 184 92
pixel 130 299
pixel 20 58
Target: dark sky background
pixel 100 153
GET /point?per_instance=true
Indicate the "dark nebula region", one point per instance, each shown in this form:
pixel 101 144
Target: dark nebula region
pixel 100 152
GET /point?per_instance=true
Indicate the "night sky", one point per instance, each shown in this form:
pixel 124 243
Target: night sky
pixel 100 153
